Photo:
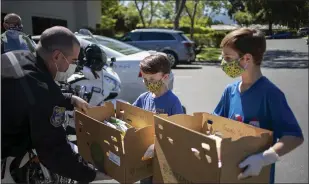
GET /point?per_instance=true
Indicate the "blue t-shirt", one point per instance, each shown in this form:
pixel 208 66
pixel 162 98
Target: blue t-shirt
pixel 262 105
pixel 168 103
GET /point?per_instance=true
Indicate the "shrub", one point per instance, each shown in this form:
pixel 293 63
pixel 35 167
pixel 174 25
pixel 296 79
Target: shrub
pixel 212 39
pixel 217 37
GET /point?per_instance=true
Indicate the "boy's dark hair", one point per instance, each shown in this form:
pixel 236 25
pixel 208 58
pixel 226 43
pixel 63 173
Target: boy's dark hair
pixel 155 63
pixel 246 40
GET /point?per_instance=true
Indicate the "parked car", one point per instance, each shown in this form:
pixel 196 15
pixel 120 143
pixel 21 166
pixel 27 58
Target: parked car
pixel 178 47
pixel 126 66
pixel 281 35
pixel 303 31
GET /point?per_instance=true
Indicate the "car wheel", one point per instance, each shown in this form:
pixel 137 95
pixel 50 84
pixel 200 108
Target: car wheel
pixel 172 57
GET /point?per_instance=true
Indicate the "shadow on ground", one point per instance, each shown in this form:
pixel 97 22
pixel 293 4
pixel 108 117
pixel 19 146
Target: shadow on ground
pixel 285 59
pixel 277 59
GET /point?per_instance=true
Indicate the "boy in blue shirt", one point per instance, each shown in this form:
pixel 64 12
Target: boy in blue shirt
pixel 159 99
pixel 255 100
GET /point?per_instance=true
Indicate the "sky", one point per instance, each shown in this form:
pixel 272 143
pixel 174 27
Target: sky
pixel 221 17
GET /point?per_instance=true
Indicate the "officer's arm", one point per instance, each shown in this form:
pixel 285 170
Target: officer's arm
pixel 50 141
pixel 68 101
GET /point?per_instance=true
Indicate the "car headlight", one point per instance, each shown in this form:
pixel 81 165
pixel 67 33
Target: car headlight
pixel 113 83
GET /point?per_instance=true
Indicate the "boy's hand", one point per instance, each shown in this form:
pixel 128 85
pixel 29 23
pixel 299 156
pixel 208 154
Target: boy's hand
pixel 255 163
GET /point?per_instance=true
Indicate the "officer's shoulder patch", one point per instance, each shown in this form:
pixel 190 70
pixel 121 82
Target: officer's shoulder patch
pixel 58 116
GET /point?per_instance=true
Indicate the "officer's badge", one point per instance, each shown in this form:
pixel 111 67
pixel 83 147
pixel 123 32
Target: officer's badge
pixel 58 118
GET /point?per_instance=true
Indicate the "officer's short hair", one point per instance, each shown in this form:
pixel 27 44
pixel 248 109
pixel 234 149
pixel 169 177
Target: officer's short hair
pixel 58 38
pixel 12 18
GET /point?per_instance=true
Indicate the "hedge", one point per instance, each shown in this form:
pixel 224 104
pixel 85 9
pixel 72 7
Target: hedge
pixel 185 29
pixel 212 39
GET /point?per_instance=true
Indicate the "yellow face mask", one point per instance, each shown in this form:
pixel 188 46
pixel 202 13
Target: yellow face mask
pixel 233 68
pixel 153 86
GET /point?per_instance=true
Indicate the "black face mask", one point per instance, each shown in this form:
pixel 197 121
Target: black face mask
pixel 16 27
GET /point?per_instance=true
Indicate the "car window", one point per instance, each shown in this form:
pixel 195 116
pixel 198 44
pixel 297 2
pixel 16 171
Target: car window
pixel 121 47
pixel 132 36
pixel 184 37
pixel 109 52
pixel 156 36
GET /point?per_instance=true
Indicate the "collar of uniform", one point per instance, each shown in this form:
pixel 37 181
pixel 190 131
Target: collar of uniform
pixel 40 63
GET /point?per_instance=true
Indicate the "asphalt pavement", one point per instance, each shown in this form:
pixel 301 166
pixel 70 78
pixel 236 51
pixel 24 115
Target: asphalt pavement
pixel 286 64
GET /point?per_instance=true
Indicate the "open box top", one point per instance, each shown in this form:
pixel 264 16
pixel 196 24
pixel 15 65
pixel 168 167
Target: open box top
pixel 103 146
pixel 179 135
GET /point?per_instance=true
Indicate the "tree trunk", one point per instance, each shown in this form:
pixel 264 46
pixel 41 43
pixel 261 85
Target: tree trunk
pixel 270 27
pixel 140 12
pixel 193 19
pixel 151 13
pixel 179 11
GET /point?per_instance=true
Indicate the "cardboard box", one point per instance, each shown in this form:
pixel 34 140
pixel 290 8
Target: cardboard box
pixel 103 146
pixel 179 135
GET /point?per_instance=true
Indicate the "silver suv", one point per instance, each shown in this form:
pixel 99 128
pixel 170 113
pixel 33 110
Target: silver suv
pixel 175 44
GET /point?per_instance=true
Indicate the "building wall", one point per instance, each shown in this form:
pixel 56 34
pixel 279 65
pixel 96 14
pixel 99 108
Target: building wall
pixel 76 13
pixel 94 13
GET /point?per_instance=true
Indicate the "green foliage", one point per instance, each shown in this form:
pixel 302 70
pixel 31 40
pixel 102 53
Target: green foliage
pixel 243 18
pixel 211 39
pixel 217 37
pixel 107 22
pixel 209 54
pixel 131 18
pixel 156 14
pixel 293 14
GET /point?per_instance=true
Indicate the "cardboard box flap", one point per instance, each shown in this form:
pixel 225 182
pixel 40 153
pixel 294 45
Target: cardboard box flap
pixel 233 152
pixel 195 151
pixel 187 121
pixel 134 116
pixel 240 141
pixel 102 112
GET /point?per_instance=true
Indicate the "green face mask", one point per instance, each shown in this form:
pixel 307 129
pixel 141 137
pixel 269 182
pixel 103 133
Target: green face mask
pixel 233 68
pixel 153 86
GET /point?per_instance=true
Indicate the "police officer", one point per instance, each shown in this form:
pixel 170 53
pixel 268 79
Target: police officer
pixel 13 38
pixel 33 107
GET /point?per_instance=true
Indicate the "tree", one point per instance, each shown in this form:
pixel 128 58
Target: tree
pixel 166 11
pixel 179 6
pixel 110 12
pixel 284 12
pixel 192 17
pixel 131 18
pixel 147 11
pixel 243 18
pixel 140 11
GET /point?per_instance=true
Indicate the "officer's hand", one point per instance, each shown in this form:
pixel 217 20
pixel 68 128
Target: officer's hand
pixel 101 176
pixel 80 103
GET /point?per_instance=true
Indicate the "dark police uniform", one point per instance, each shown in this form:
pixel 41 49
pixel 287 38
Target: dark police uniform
pixel 32 114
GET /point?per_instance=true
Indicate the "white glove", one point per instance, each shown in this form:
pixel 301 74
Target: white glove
pixel 149 153
pixel 255 163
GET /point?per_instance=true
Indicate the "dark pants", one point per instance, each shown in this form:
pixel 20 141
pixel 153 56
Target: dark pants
pixel 147 180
